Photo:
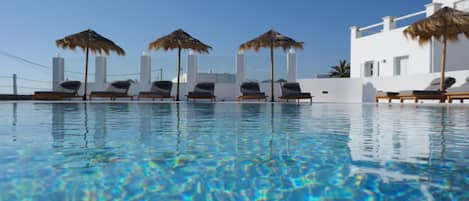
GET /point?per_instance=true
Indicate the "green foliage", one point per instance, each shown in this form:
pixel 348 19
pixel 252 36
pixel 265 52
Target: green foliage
pixel 340 70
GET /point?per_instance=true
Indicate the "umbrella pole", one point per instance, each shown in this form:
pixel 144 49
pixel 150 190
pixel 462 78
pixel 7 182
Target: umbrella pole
pixel 272 72
pixel 179 72
pixel 443 64
pixel 86 74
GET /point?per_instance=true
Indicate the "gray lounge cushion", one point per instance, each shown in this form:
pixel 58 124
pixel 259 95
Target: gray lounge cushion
pixel 70 86
pixel 119 87
pixel 292 89
pixel 161 87
pixel 66 88
pixel 205 87
pixel 251 89
pixel 433 89
pixel 420 92
pixel 463 88
pixel 435 84
pixel 387 93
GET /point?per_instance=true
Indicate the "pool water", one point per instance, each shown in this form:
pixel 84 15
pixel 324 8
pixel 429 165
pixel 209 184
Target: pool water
pixel 231 151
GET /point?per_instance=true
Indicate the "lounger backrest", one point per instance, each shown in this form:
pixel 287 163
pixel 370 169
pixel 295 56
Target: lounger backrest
pixel 250 87
pixel 290 88
pixel 69 86
pixel 435 84
pixel 119 86
pixel 162 87
pixel 207 87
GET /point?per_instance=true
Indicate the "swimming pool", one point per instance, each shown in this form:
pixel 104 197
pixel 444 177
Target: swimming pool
pixel 230 151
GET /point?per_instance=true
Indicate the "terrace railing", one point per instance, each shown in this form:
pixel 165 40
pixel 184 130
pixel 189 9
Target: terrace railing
pixel 390 23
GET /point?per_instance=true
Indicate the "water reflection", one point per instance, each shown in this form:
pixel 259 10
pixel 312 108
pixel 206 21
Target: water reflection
pixel 239 151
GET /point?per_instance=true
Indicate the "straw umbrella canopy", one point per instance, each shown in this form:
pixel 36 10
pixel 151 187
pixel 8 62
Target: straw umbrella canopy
pixel 445 25
pixel 89 40
pixel 271 39
pixel 179 40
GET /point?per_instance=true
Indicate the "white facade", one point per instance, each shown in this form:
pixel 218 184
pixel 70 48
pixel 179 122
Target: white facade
pixel 382 50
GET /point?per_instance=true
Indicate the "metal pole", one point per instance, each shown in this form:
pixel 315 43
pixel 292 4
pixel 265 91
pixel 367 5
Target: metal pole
pixel 161 73
pixel 15 87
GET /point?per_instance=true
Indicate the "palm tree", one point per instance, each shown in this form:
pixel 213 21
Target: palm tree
pixel 340 70
pixel 179 40
pixel 272 40
pixel 89 40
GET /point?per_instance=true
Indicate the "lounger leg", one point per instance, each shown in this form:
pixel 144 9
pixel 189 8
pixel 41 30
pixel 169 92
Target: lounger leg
pixel 462 100
pixel 416 100
pixel 389 100
pixel 402 100
pixel 376 100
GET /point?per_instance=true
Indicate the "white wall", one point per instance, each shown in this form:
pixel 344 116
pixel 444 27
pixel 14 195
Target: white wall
pixel 338 89
pixel 457 55
pixel 384 47
pixel 449 3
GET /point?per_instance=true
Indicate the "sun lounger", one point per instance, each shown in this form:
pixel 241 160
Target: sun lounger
pixel 292 90
pixel 66 90
pixel 251 90
pixel 203 90
pixel 432 92
pixel 117 89
pixel 159 89
pixel 386 95
pixel 458 93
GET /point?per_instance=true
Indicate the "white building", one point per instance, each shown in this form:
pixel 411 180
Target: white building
pixel 382 50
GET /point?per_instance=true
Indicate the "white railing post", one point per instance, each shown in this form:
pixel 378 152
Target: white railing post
pixel 388 23
pixel 15 87
pixel 291 65
pixel 240 68
pixel 58 64
pixel 432 8
pixel 145 71
pixel 100 71
pixel 354 32
pixel 191 70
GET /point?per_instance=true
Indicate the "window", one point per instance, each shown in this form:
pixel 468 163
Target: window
pixel 370 69
pixel 400 65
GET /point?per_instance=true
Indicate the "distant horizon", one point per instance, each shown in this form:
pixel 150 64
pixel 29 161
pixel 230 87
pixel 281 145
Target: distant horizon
pixel 32 28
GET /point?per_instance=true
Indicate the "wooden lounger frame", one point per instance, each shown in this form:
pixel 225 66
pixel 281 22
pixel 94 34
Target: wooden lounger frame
pixel 416 98
pixel 155 96
pixel 389 98
pixel 247 97
pixel 111 96
pixel 297 98
pixel 51 96
pixel 457 96
pixel 212 98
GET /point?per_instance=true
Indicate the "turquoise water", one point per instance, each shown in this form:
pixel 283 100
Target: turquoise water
pixel 229 151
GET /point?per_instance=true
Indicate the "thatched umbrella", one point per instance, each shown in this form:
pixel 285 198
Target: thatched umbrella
pixel 445 25
pixel 89 40
pixel 272 40
pixel 180 40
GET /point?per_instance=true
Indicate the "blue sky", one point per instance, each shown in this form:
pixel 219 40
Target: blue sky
pixel 30 28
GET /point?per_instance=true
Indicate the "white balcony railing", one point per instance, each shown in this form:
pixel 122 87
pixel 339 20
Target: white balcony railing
pixel 390 23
